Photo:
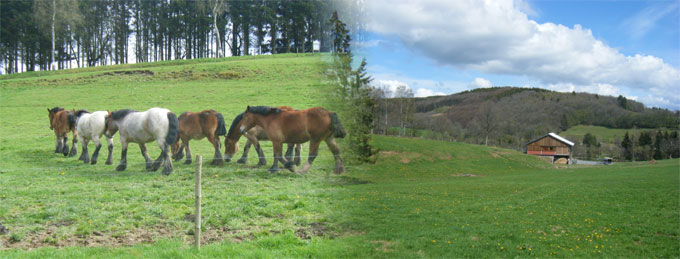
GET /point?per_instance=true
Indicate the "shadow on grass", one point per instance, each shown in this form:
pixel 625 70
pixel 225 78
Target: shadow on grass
pixel 347 180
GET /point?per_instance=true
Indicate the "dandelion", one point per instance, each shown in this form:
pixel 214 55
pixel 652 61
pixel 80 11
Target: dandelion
pixel 62 172
pixel 434 241
pixel 449 242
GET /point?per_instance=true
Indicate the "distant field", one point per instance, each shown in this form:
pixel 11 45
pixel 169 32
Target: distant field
pixel 422 198
pixel 602 134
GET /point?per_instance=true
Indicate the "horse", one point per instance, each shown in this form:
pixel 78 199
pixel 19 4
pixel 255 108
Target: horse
pixel 296 127
pixel 61 122
pixel 143 127
pixel 256 134
pixel 199 125
pixel 91 126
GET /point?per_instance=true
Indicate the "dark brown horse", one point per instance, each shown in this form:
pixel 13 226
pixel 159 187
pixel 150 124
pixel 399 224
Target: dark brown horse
pixel 295 127
pixel 61 122
pixel 254 135
pixel 198 125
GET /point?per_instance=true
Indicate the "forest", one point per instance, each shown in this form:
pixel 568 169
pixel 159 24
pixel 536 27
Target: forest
pixel 61 34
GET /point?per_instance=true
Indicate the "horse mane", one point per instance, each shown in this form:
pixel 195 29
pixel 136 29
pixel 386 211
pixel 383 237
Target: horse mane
pixel 234 124
pixel 263 110
pixel 81 112
pixel 119 114
pixel 56 109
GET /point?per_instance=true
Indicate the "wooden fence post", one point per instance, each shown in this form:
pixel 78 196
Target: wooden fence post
pixel 197 231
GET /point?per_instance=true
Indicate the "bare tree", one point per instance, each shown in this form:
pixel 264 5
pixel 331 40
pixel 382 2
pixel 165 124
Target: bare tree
pixel 404 94
pixel 488 120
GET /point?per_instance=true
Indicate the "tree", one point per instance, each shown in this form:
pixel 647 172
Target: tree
pixel 627 146
pixel 658 146
pixel 590 140
pixel 488 120
pixel 217 10
pixel 355 94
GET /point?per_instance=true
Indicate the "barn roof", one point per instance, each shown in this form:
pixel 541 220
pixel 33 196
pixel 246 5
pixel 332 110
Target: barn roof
pixel 555 136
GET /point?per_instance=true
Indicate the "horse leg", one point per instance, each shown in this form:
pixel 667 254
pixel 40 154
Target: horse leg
pixel 188 161
pixel 147 159
pixel 289 153
pixel 339 166
pixel 217 158
pixel 298 147
pixel 244 156
pixel 74 146
pixel 59 145
pixel 109 160
pixel 313 150
pixel 179 154
pixel 167 162
pixel 97 147
pixel 123 155
pixel 85 155
pixel 161 158
pixel 64 148
pixel 84 143
pixel 277 156
pixel 262 160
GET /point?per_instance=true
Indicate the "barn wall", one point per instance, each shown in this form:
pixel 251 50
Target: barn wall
pixel 548 146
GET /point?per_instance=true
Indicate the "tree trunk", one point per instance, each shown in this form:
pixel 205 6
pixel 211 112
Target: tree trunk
pixel 217 31
pixel 54 16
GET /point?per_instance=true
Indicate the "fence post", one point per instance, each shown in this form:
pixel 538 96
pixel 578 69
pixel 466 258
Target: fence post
pixel 197 231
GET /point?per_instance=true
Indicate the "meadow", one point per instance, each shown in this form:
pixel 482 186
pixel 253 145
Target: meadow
pixel 422 198
pixel 602 134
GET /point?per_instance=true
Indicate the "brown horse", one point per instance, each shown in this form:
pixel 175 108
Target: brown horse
pixel 282 126
pixel 61 122
pixel 198 125
pixel 254 135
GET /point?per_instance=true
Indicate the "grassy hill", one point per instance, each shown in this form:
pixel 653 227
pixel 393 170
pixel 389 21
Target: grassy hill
pixel 602 134
pixel 422 198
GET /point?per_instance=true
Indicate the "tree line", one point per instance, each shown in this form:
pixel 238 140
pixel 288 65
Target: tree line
pixel 60 34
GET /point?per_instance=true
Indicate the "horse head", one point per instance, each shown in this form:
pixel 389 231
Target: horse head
pixel 51 113
pixel 110 125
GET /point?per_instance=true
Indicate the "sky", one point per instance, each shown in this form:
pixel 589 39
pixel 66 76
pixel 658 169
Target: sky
pixel 438 47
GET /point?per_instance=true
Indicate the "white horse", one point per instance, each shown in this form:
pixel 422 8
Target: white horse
pixel 143 127
pixel 91 126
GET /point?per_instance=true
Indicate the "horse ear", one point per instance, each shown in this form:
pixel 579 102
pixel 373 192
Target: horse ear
pixel 248 108
pixel 48 109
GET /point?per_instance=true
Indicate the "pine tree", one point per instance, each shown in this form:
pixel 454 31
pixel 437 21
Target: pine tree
pixel 627 146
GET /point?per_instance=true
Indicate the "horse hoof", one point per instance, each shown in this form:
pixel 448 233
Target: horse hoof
pixel 121 168
pixel 273 170
pixel 93 162
pixel 167 171
pixel 242 161
pixel 108 162
pixel 187 162
pixel 85 161
pixel 262 162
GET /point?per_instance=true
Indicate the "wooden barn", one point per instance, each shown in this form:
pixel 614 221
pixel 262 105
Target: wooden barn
pixel 553 146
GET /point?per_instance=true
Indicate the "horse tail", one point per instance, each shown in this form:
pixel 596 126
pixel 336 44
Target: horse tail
pixel 221 128
pixel 336 127
pixel 173 129
pixel 71 120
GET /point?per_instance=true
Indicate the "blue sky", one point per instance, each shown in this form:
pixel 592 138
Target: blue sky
pixel 631 48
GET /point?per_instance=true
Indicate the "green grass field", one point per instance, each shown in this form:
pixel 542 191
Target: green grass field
pixel 602 134
pixel 422 198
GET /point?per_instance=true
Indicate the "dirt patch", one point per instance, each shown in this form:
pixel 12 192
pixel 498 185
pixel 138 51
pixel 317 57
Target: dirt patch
pixel 313 229
pixel 384 245
pixel 467 175
pixel 404 157
pixel 651 162
pixel 494 155
pixel 129 72
pixel 444 157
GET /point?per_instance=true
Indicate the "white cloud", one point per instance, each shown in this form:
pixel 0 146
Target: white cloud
pixel 481 83
pixel 497 37
pixel 392 86
pixel 642 22
pixel 422 92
